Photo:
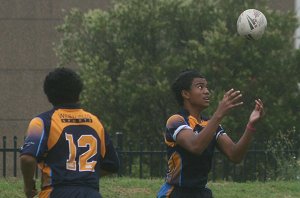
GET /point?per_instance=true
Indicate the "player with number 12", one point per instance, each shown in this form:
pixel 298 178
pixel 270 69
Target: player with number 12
pixel 67 143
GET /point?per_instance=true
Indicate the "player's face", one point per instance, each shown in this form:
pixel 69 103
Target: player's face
pixel 199 93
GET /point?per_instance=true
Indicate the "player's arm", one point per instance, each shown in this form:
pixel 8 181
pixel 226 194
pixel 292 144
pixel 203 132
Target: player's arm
pixel 28 166
pixel 235 152
pixel 110 162
pixel 198 143
pixel 31 149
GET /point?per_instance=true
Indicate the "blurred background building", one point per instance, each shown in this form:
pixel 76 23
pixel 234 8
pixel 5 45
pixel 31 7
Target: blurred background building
pixel 297 34
pixel 26 56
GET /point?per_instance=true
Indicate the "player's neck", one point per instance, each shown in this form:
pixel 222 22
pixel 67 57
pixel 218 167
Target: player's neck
pixel 193 111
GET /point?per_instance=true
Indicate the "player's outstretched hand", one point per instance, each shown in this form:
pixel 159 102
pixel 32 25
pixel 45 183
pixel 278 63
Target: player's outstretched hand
pixel 231 99
pixel 257 113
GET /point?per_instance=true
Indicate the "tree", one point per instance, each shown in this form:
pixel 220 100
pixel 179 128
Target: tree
pixel 129 55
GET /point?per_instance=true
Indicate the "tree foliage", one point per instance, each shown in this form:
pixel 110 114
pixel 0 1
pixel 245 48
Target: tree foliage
pixel 129 55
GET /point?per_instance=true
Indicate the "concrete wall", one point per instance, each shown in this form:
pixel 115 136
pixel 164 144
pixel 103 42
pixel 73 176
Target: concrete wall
pixel 26 55
pixel 283 5
pixel 297 34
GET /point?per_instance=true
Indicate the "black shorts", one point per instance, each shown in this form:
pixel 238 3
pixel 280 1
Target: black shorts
pixel 178 192
pixel 74 192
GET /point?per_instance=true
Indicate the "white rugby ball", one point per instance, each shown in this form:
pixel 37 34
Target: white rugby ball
pixel 251 24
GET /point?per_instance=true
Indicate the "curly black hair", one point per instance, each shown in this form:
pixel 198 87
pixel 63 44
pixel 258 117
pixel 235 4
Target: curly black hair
pixel 184 82
pixel 62 86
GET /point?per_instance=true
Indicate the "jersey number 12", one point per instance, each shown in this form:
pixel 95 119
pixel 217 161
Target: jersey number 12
pixel 83 160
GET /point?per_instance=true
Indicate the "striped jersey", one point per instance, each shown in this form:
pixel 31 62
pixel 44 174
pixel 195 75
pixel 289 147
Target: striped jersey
pixel 70 146
pixel 186 169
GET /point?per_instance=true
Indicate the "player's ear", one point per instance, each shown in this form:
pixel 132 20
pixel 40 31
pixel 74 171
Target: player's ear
pixel 185 94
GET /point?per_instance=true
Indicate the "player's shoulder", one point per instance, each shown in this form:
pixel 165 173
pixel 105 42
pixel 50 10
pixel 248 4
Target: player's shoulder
pixel 175 117
pixel 91 115
pixel 41 119
pixel 175 120
pixel 46 115
pixel 94 118
pixel 36 122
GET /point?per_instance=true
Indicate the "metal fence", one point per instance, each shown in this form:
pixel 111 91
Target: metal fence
pixel 4 150
pixel 136 161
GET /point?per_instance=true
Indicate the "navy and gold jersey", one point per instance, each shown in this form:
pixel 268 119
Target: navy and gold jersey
pixel 186 169
pixel 71 147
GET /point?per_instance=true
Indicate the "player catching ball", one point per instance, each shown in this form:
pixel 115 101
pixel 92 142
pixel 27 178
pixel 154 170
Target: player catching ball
pixel 191 137
pixel 67 143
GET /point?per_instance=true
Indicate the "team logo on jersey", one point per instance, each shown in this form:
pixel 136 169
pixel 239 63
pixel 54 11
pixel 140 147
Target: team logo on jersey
pixel 27 144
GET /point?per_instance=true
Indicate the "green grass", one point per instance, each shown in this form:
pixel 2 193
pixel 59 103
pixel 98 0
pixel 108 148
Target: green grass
pixel 145 188
pixel 12 187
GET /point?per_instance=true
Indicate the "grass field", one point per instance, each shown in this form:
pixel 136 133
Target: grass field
pixel 146 188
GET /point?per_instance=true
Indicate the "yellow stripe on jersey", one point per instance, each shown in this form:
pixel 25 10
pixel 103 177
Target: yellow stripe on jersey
pixel 45 193
pixel 169 143
pixel 174 165
pixel 175 119
pixel 203 123
pixel 46 171
pixel 169 192
pixel 36 127
pixel 193 122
